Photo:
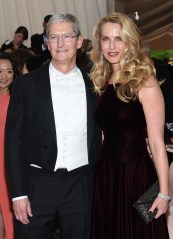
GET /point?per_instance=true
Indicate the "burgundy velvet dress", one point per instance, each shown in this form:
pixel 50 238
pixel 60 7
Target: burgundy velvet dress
pixel 123 172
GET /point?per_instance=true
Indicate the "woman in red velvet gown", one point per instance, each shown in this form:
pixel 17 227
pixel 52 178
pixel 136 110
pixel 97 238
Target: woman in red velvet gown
pixel 7 69
pixel 130 108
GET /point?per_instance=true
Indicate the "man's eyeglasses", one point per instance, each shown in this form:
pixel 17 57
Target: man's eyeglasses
pixel 65 38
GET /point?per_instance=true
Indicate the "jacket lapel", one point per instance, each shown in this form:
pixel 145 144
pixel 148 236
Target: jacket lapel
pixel 44 92
pixel 91 101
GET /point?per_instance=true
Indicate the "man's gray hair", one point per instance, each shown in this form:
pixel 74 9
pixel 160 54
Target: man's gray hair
pixel 65 17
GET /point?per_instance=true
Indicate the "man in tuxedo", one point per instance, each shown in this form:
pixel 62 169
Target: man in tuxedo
pixel 38 41
pixel 51 140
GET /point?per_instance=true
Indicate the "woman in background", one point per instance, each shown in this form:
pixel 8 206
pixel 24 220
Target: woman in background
pixel 130 108
pixel 20 35
pixel 7 73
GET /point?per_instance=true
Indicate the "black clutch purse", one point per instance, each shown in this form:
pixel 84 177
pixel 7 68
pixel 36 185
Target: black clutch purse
pixel 144 203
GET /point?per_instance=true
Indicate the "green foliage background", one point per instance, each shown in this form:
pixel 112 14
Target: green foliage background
pixel 161 55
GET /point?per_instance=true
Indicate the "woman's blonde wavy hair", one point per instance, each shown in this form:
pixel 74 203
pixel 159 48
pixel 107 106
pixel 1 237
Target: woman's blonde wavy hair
pixel 135 66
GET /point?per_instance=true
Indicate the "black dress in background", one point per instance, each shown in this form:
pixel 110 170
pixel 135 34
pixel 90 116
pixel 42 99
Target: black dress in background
pixel 123 172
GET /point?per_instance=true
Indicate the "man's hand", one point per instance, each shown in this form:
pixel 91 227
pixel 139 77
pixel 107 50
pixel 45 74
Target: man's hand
pixel 22 209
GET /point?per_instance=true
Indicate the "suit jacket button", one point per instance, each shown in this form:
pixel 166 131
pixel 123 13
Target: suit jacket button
pixel 45 146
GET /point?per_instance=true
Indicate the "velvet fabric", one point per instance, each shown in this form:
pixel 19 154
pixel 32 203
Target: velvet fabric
pixel 123 172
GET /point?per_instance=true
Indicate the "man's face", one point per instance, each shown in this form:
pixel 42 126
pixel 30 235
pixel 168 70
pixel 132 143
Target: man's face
pixel 63 43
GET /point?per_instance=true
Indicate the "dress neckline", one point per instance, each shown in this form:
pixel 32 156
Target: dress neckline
pixel 5 96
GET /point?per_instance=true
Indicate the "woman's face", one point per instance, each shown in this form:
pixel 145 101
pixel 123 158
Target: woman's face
pixel 6 75
pixel 18 38
pixel 112 45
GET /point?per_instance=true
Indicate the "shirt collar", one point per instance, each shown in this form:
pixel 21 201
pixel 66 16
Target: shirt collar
pixel 60 75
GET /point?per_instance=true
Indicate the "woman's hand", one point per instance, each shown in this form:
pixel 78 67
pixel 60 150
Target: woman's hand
pixel 161 205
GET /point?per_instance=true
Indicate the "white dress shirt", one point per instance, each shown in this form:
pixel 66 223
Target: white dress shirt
pixel 70 112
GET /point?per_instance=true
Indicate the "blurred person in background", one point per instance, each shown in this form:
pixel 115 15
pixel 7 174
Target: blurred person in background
pixel 34 62
pixel 7 74
pixel 38 41
pixel 83 60
pixel 20 56
pixel 20 35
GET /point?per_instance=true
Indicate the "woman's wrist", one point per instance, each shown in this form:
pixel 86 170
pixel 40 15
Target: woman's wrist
pixel 164 197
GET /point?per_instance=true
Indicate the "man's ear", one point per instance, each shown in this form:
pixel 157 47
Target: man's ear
pixel 47 43
pixel 79 41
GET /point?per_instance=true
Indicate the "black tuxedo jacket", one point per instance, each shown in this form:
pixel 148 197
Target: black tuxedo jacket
pixel 37 41
pixel 30 135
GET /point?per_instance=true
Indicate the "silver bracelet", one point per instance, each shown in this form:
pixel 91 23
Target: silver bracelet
pixel 164 197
